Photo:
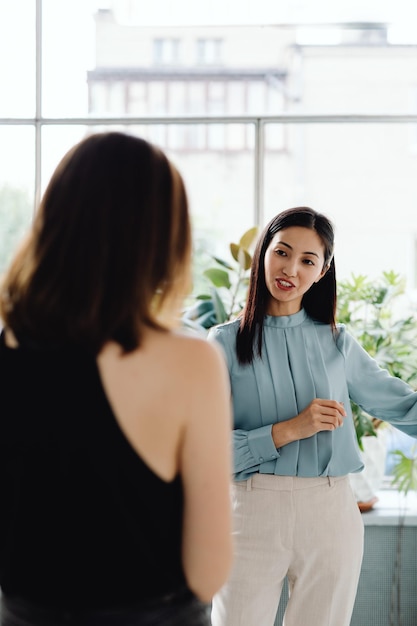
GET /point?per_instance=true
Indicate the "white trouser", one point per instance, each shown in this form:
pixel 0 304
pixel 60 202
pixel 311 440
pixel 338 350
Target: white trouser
pixel 308 529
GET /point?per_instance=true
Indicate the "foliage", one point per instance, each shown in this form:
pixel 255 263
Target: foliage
pixel 405 470
pixel 368 310
pixel 15 215
pixel 227 284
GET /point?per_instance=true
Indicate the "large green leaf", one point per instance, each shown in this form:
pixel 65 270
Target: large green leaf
pixel 404 471
pixel 219 308
pixel 207 320
pixel 218 277
pixel 223 263
pixel 199 308
pixel 249 237
pixel 363 424
pixel 241 255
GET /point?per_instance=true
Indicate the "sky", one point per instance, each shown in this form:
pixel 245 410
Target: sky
pixel 189 12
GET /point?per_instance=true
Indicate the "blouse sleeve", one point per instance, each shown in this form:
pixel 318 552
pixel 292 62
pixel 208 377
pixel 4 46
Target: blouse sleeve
pixel 253 448
pixel 377 392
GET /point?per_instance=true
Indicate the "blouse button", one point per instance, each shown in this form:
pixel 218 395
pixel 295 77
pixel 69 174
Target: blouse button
pixel 261 458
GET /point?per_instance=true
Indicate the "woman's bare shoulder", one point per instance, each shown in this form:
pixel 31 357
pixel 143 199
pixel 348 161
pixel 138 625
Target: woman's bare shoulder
pixel 196 347
pixel 168 355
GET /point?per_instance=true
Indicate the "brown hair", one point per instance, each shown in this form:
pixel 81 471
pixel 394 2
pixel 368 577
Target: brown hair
pixel 110 246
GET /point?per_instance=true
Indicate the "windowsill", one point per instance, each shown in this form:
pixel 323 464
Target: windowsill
pixel 391 508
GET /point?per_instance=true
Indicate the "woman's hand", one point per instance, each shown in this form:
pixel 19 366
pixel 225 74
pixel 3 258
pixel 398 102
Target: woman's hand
pixel 317 416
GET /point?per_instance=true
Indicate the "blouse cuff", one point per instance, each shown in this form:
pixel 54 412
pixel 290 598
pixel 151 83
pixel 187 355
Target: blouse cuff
pixel 261 444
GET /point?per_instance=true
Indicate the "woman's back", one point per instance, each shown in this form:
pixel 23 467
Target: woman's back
pixel 180 424
pixel 91 476
pixel 84 519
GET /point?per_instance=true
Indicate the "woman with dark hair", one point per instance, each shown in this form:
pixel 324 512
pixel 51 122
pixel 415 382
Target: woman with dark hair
pixel 293 371
pixel 114 446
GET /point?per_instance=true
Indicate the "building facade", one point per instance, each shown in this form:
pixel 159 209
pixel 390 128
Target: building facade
pixel 360 173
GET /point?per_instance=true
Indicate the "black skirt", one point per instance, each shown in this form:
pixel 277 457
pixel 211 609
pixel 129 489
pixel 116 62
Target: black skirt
pixel 181 608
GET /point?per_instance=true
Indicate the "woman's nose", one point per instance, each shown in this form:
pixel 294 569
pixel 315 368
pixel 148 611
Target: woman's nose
pixel 290 270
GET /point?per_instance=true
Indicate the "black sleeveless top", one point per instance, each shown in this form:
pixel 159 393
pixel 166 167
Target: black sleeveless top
pixel 84 523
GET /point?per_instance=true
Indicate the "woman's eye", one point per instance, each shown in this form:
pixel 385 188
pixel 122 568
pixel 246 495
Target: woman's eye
pixel 281 252
pixel 308 262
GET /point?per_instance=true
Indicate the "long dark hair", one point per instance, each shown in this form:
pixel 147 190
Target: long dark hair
pixel 319 301
pixel 110 243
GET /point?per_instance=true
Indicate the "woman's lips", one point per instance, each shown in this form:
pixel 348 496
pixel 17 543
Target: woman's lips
pixel 286 285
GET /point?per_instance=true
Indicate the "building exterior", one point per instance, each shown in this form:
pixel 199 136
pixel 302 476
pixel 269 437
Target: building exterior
pixel 360 173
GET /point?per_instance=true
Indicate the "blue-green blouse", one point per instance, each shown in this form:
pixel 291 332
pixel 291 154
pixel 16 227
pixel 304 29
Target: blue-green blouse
pixel 301 360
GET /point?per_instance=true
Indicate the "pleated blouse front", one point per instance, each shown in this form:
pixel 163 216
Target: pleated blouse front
pixel 301 360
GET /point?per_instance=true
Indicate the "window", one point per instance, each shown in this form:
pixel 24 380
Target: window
pixel 216 98
pixel 166 51
pixel 347 167
pixel 157 98
pixel 197 98
pixel 209 51
pixel 137 99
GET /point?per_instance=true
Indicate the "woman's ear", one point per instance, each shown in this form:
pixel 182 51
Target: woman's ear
pixel 323 272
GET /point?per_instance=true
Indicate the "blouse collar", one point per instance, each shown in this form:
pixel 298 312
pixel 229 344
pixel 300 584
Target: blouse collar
pixel 286 321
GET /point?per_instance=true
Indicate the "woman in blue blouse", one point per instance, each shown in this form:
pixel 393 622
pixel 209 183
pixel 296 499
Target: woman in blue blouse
pixel 293 372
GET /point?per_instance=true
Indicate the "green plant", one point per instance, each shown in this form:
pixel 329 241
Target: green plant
pixel 15 217
pixel 368 310
pixel 227 284
pixel 405 470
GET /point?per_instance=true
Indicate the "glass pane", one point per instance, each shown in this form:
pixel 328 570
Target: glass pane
pixel 197 98
pixel 177 97
pixel 56 141
pixel 356 75
pixel 17 169
pixel 363 177
pixel 17 58
pixel 284 67
pixel 220 184
pixel 157 98
pixel 136 99
pixel 360 175
pixel 67 55
pixel 236 98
